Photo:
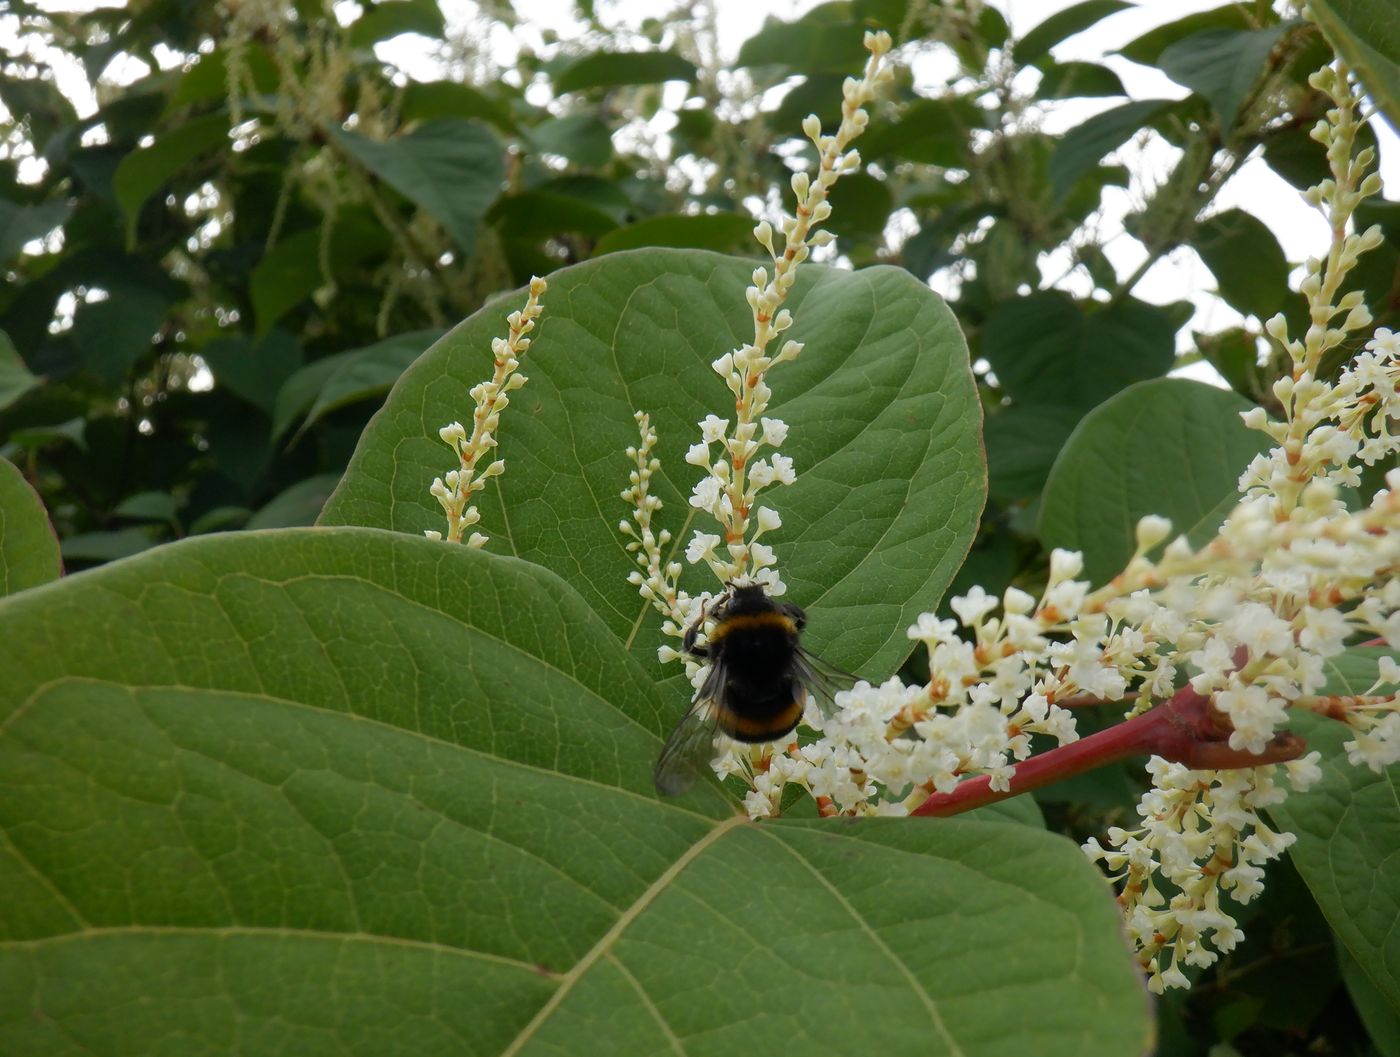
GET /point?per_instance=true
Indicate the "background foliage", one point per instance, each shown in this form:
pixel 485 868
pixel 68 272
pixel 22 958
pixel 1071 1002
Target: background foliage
pixel 214 277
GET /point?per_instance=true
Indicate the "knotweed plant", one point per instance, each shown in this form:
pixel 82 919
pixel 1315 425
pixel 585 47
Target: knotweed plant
pixel 454 490
pixel 740 456
pixel 1210 645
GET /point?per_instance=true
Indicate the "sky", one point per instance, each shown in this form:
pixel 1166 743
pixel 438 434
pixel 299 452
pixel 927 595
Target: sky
pixel 1299 228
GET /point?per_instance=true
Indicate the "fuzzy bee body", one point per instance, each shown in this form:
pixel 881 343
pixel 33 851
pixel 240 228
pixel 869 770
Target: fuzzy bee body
pixel 759 682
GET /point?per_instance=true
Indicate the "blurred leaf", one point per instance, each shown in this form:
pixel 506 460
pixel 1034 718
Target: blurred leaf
pixel 291 271
pixel 143 172
pixel 881 404
pixel 390 18
pixel 149 506
pixel 1081 147
pixel 108 546
pixel 113 335
pixel 423 101
pixel 1348 827
pixel 15 377
pixel 860 207
pixel 707 231
pixel 825 40
pixel 818 94
pixel 20 224
pixel 298 505
pixel 450 167
pixel 1048 349
pixel 220 519
pixel 33 437
pixel 1366 33
pixel 1235 354
pixel 1022 442
pixel 207 79
pixel 335 821
pixel 931 131
pixel 1223 65
pixel 28 546
pixel 604 69
pixel 1247 262
pixel 1067 80
pixel 1167 446
pixel 1064 24
pixel 346 377
pixel 254 369
pixel 538 214
pixel 580 138
pixel 1147 49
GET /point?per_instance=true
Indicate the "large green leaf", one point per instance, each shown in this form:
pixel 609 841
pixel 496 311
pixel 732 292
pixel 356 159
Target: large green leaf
pixel 1169 446
pixel 344 792
pixel 884 433
pixel 450 167
pixel 1223 65
pixel 1366 33
pixel 1049 349
pixel 581 138
pixel 387 20
pixel 28 546
pixel 1348 828
pixel 608 69
pixel 1148 48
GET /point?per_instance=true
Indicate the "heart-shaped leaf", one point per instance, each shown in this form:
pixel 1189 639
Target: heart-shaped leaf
pixel 348 792
pixel 1169 446
pixel 881 406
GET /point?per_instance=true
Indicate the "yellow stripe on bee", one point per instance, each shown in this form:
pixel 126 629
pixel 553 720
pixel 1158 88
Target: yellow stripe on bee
pixel 743 728
pixel 750 621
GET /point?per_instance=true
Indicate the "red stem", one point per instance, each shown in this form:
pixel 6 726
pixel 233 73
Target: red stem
pixel 1187 730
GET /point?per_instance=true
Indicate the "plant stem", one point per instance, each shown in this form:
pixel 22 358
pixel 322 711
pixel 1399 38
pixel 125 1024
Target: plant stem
pixel 1186 730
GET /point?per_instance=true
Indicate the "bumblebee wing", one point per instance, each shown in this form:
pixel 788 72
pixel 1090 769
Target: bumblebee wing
pixel 689 749
pixel 822 680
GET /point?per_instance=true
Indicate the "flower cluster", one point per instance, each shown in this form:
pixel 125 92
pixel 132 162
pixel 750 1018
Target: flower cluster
pixel 1246 622
pixel 729 450
pixel 454 490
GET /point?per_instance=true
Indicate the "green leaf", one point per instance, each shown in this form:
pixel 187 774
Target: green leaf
pixel 1068 80
pixel 1062 25
pixel 825 40
pixel 297 505
pixel 28 545
pixel 149 506
pixel 545 214
pixel 1348 826
pixel 579 138
pixel 1223 65
pixel 707 231
pixel 860 207
pixel 1081 147
pixel 108 546
pixel 608 69
pixel 207 79
pixel 1022 442
pixel 931 131
pixel 112 335
pixel 449 167
pixel 422 101
pixel 406 809
pixel 1147 49
pixel 1247 262
pixel 20 224
pixel 1381 1019
pixel 291 271
pixel 1047 349
pixel 346 377
pixel 15 377
pixel 1169 446
pixel 884 434
pixel 143 172
pixel 387 20
pixel 254 370
pixel 1366 34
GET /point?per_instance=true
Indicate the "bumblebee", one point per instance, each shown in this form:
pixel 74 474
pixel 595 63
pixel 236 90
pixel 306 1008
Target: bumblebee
pixel 759 682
